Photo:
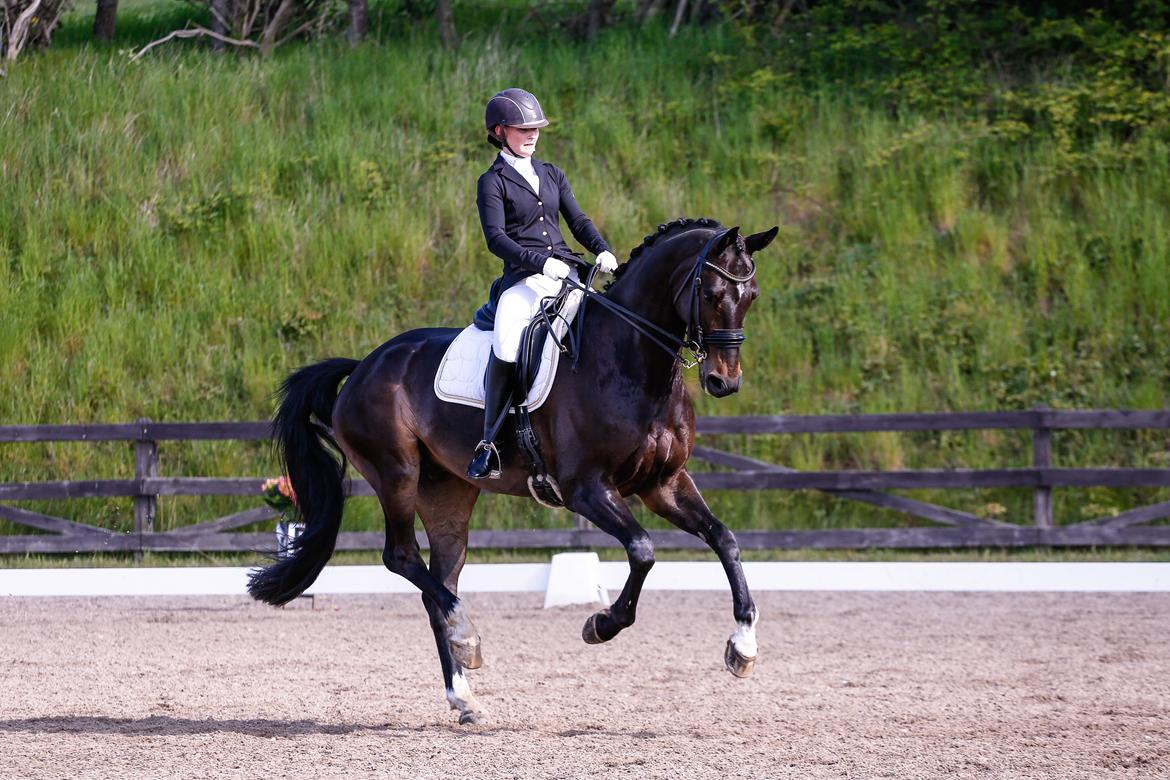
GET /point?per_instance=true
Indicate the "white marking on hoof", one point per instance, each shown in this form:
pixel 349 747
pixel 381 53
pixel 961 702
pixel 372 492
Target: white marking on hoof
pixel 744 638
pixel 460 698
pixel 736 663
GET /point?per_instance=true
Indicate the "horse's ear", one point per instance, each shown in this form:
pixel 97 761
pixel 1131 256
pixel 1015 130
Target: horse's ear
pixel 726 240
pixel 757 241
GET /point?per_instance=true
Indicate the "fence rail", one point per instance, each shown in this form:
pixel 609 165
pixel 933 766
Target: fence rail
pixel 952 527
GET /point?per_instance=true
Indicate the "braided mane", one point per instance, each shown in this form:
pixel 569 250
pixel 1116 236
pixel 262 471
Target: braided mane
pixel 665 230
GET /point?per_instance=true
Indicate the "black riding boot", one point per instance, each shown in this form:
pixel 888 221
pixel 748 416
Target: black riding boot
pixel 497 396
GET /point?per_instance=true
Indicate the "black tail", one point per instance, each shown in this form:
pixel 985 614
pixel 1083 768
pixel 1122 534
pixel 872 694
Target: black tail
pixel 317 477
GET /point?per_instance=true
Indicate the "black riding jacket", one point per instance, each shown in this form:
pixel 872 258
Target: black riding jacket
pixel 523 228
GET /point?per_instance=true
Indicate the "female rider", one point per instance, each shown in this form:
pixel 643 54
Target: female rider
pixel 520 201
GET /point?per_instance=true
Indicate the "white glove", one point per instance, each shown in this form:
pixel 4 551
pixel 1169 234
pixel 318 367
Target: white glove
pixel 607 262
pixel 555 269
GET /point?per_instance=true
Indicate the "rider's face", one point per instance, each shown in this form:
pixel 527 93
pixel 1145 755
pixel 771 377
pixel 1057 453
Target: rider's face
pixel 522 140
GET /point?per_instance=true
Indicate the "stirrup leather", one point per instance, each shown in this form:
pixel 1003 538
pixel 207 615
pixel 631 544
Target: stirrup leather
pixel 490 447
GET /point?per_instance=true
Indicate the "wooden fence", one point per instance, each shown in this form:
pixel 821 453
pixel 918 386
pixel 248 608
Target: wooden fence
pixel 949 527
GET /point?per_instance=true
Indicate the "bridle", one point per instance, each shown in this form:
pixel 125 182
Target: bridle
pixel 719 338
pixel 695 341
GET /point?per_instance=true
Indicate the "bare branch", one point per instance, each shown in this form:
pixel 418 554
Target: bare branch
pixel 217 16
pixel 678 16
pixel 279 19
pixel 193 32
pixel 19 31
pixel 647 9
pixel 250 21
pixel 294 33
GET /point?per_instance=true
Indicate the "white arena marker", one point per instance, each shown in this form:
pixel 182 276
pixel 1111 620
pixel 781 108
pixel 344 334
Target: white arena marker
pixel 575 578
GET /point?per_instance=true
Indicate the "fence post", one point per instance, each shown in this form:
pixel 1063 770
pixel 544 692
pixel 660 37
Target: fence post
pixel 1042 459
pixel 145 465
pixel 582 525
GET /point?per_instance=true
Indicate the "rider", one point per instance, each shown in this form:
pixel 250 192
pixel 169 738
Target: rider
pixel 520 201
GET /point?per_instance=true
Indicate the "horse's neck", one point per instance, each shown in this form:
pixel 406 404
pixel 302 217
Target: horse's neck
pixel 649 285
pixel 646 289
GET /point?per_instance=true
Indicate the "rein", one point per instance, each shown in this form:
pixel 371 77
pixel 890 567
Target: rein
pixel 694 340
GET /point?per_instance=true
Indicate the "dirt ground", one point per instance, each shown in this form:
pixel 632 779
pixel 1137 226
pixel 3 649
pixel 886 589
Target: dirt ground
pixel 848 686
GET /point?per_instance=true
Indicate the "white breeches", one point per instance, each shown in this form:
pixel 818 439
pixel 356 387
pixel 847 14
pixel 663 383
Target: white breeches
pixel 515 310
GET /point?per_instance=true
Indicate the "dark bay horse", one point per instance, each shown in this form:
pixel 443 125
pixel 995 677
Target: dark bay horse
pixel 622 424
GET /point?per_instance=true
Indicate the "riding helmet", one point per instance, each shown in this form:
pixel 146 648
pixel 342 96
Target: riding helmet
pixel 513 108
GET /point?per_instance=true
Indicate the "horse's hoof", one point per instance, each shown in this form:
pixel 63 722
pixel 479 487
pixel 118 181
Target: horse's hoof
pixel 463 639
pixel 590 632
pixel 467 654
pixel 471 718
pixel 739 665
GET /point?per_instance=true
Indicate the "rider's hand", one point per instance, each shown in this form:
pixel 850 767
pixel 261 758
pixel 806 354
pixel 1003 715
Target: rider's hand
pixel 607 262
pixel 555 269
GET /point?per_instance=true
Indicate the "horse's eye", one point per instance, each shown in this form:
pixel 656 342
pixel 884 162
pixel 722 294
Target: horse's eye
pixel 710 296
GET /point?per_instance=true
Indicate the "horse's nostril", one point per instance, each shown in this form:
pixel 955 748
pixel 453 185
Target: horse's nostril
pixel 716 384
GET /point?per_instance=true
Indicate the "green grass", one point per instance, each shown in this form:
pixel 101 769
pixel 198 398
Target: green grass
pixel 179 233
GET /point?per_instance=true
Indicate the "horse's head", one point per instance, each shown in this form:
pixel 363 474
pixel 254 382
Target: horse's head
pixel 725 290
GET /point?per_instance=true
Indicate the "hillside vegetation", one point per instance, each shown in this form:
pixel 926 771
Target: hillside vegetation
pixel 974 215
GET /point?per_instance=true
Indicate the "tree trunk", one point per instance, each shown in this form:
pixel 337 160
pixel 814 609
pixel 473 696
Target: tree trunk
pixel 446 19
pixel 359 18
pixel 275 26
pixel 103 22
pixel 598 13
pixel 219 11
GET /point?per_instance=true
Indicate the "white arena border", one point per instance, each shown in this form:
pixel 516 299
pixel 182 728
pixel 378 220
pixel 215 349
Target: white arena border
pixel 666 576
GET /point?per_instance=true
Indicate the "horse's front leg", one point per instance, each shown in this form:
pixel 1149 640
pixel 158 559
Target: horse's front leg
pixel 603 505
pixel 679 501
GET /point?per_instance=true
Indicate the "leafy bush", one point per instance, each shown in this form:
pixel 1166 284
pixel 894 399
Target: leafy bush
pixel 1069 69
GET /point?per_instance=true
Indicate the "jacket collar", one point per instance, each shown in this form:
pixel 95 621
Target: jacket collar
pixel 513 174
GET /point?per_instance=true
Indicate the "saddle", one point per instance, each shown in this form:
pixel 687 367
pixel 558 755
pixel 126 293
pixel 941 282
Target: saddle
pixel 460 378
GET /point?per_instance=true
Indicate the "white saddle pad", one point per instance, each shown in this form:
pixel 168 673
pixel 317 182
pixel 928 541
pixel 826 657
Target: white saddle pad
pixel 460 376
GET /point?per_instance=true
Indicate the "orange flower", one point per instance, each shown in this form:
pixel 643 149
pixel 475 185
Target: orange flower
pixel 286 489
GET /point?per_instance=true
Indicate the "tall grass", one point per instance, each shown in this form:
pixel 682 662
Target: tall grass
pixel 179 233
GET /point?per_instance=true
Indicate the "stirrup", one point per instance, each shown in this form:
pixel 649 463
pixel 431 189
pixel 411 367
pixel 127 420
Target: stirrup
pixel 490 447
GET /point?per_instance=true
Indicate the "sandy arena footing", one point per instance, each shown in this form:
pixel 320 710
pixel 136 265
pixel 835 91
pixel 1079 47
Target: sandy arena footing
pixel 849 685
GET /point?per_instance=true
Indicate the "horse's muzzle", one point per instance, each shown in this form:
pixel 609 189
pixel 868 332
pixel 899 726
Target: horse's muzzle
pixel 721 386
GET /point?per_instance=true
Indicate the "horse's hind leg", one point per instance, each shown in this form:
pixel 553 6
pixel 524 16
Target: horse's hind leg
pixel 679 501
pixel 445 504
pixel 401 556
pixel 395 479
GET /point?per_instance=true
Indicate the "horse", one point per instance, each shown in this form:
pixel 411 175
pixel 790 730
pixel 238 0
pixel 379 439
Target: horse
pixel 619 423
